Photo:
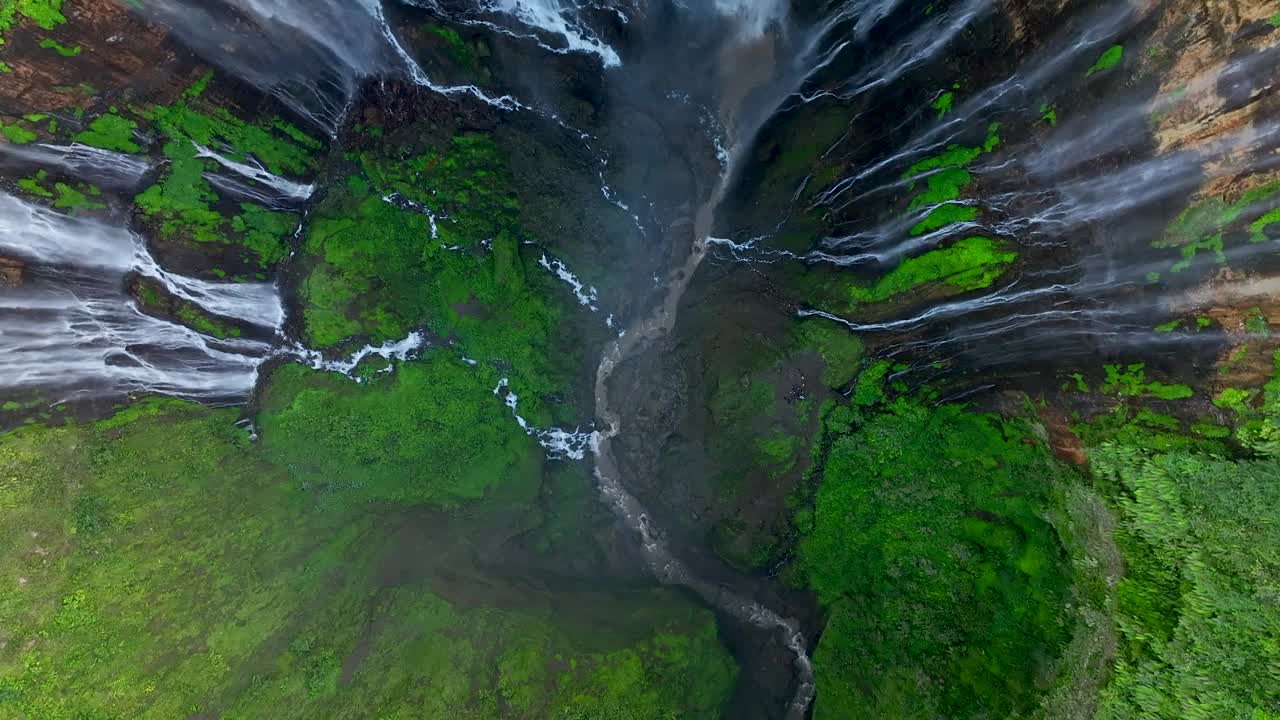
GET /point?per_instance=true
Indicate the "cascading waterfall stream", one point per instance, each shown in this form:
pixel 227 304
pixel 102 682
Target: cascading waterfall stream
pixel 635 339
pixel 73 326
pixel 110 169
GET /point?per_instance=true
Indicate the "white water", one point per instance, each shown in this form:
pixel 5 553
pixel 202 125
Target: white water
pixel 404 349
pixel 103 167
pixel 560 444
pixel 558 17
pixel 753 17
pixel 71 324
pixel 586 294
pixel 252 170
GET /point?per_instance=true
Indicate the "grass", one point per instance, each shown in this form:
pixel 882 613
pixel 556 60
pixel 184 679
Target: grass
pixel 161 565
pixel 437 416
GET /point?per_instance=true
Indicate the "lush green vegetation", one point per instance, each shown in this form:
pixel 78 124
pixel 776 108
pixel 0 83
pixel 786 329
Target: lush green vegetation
pixel 1201 547
pixel 159 564
pixel 453 265
pixel 943 584
pixel 1130 381
pixel 182 204
pixel 437 416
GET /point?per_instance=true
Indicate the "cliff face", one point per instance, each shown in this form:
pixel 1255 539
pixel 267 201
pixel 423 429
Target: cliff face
pixel 100 51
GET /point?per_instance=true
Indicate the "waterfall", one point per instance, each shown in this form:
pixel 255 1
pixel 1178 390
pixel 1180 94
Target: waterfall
pixel 70 324
pixel 103 167
pixel 559 18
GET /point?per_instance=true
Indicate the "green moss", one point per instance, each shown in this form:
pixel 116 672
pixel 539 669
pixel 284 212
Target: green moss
pixel 942 584
pixel 968 264
pixel 264 232
pixel 65 197
pixel 17 134
pixel 1201 226
pixel 944 215
pixel 64 51
pixel 1257 228
pixel 376 271
pixel 943 103
pixel 1211 431
pixel 184 205
pixel 181 200
pixel 869 389
pixel 1048 114
pixel 34 186
pixel 201 322
pixel 1234 399
pixel 1189 251
pixel 1256 323
pixel 458 48
pixel 946 178
pixel 280 147
pixel 1109 59
pixel 1168 327
pixel 110 132
pixel 76 200
pixel 839 348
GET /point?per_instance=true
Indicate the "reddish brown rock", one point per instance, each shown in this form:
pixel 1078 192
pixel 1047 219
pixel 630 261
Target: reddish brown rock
pixel 121 58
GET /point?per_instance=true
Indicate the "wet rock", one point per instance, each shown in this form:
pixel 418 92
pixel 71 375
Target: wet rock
pixel 11 272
